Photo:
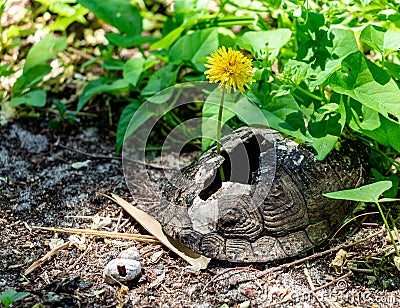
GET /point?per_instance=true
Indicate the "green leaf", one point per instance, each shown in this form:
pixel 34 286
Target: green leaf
pixel 326 129
pixel 132 118
pixel 10 296
pixel 210 114
pixel 264 42
pixel 112 64
pixel 167 41
pixel 394 178
pixel 383 40
pixel 44 50
pixel 99 86
pixel 133 69
pixel 119 13
pixel 124 120
pixel 367 83
pixel 343 43
pixel 30 78
pixel 61 8
pixel 386 132
pixel 366 193
pixel 129 41
pixel 393 69
pixel 35 98
pixel 195 47
pixel 163 78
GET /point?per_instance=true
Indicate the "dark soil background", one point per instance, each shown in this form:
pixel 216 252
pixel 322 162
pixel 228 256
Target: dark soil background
pixel 40 187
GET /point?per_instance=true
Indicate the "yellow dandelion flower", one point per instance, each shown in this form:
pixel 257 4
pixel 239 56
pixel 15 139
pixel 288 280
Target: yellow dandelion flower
pixel 229 68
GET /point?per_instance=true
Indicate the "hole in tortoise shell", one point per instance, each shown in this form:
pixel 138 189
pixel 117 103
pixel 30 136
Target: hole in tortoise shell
pixel 240 166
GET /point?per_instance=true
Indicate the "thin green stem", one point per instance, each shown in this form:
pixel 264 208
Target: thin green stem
pixel 219 126
pixel 388 228
pixel 308 93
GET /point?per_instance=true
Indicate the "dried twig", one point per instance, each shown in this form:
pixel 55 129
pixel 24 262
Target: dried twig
pixel 47 256
pixel 318 254
pixel 312 291
pixel 128 236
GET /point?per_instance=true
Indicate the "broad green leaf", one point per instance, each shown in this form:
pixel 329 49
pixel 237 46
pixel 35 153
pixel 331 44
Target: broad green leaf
pixel 249 113
pixel 125 119
pixel 11 296
pixel 132 118
pixel 129 41
pixel 265 42
pixel 99 86
pixel 167 41
pixel 62 23
pixel 195 47
pixel 121 14
pixel 367 83
pixel 383 40
pixel 112 64
pixel 162 78
pixel 393 69
pixel 394 178
pixel 326 129
pixel 281 112
pixel 185 9
pixel 284 115
pixel 30 78
pixel 343 43
pixel 210 114
pixel 132 70
pixel 366 193
pixel 44 50
pixel 61 8
pixel 35 98
pixel 387 133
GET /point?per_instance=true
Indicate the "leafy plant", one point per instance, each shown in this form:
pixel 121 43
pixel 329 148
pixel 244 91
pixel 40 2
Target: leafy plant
pixel 35 69
pixel 369 193
pixel 11 296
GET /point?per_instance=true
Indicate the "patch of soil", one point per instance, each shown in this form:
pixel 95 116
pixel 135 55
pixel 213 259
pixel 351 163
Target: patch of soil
pixel 40 187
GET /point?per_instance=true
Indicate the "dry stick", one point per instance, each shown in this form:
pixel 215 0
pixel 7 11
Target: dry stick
pixel 80 53
pixel 128 236
pixel 47 256
pixel 95 156
pixel 312 286
pixel 89 217
pixel 318 254
pixel 313 291
pixel 240 269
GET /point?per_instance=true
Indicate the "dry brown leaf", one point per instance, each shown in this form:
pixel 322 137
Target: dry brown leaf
pixel 197 261
pixel 339 261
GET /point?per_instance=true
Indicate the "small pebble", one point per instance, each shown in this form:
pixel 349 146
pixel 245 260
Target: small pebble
pixel 156 256
pixel 121 270
pixel 131 253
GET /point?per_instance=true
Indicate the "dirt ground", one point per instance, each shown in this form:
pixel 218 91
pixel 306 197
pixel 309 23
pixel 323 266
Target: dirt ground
pixel 40 187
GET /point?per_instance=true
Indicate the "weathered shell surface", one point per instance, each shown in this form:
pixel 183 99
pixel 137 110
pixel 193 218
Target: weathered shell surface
pixel 271 206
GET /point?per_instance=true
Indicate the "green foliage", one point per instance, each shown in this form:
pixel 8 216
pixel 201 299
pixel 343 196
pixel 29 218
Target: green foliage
pixel 35 69
pixel 119 13
pixel 366 193
pixel 11 296
pixel 321 71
